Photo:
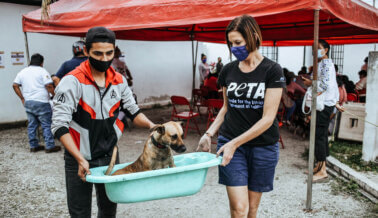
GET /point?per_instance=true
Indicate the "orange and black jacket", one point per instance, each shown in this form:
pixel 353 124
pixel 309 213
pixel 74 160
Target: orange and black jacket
pixel 88 114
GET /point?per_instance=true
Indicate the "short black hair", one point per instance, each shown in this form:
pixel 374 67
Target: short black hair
pixel 202 55
pixel 339 81
pixel 366 59
pixel 36 60
pixel 362 73
pixel 325 45
pixel 99 34
pixel 336 68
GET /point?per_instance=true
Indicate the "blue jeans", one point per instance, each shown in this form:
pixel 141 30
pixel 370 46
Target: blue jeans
pixel 39 113
pixel 79 193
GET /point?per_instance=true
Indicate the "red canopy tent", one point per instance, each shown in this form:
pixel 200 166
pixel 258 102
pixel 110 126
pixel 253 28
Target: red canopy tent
pixel 283 22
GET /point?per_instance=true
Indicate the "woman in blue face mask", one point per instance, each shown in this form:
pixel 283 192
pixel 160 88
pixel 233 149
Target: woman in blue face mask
pixel 327 87
pixel 204 69
pixel 248 129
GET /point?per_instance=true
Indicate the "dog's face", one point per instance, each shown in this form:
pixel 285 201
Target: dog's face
pixel 170 134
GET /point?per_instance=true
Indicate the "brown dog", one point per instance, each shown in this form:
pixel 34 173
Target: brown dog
pixel 157 153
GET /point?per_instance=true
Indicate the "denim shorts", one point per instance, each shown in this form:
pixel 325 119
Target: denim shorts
pixel 251 166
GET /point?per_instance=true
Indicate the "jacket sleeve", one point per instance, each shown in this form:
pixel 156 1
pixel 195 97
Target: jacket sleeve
pixel 66 99
pixel 129 106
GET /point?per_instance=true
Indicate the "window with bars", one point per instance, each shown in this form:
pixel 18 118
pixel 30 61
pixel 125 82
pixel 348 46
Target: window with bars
pixel 337 56
pixel 270 52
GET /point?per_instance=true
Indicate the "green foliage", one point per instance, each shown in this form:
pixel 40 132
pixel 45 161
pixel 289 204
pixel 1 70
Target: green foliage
pixel 350 154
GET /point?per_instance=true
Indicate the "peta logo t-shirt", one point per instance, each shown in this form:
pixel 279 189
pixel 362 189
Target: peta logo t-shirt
pixel 246 94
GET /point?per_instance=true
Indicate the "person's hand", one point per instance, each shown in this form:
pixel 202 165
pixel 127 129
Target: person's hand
pixel 83 169
pixel 339 107
pixel 306 81
pixel 205 143
pixel 23 101
pixel 228 150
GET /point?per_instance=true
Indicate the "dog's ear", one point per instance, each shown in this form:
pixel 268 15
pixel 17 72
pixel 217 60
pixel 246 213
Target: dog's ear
pixel 160 129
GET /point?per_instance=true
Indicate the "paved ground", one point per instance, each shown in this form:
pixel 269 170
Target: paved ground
pixel 33 185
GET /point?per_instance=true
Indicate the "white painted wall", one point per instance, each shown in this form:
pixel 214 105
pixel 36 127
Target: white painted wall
pixel 160 69
pixel 354 56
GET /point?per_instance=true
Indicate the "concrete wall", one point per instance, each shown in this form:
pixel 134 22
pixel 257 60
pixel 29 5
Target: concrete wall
pixel 370 141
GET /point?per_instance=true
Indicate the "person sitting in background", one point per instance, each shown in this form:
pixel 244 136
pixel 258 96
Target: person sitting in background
pixel 361 85
pixel 299 79
pixel 349 85
pixel 292 87
pixel 210 84
pixel 68 66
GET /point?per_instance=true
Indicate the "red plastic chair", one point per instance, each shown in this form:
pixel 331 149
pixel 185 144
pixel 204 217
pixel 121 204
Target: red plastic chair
pixel 185 115
pixel 212 105
pixel 352 97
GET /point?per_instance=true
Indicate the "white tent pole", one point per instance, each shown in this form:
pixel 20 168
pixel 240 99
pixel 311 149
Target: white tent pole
pixel 313 110
pixel 27 48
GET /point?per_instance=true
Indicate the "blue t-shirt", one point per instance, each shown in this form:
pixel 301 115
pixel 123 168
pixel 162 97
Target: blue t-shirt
pixel 69 65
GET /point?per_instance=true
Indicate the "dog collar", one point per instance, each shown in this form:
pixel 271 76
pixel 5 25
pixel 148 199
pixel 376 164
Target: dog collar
pixel 154 142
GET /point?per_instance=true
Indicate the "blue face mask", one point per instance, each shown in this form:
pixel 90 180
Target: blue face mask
pixel 320 53
pixel 240 52
pixel 204 60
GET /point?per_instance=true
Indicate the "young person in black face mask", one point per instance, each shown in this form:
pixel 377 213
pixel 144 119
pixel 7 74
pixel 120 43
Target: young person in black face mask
pixel 86 106
pixel 248 129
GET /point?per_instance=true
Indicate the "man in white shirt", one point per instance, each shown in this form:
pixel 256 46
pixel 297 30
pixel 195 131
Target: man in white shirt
pixel 36 84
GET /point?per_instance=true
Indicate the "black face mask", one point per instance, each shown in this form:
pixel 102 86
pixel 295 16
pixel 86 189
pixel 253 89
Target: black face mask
pixel 100 66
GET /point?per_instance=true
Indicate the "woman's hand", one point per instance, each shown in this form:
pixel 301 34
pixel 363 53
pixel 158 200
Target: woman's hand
pixel 306 81
pixel 83 169
pixel 228 151
pixel 205 143
pixel 339 107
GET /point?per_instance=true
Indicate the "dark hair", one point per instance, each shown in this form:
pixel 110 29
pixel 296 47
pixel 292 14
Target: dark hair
pixel 248 28
pixel 362 73
pixel 202 55
pixel 36 60
pixel 339 81
pixel 325 45
pixel 99 34
pixel 366 60
pixel 304 69
pixel 289 77
pixel 336 68
pixel 345 79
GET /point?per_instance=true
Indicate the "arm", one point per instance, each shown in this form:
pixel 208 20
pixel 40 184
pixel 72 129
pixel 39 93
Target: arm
pixel 56 80
pixel 142 121
pixel 271 103
pixel 17 90
pixel 65 102
pixel 205 141
pixel 50 89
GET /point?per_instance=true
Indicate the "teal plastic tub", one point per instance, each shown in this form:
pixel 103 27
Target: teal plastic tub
pixel 187 178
